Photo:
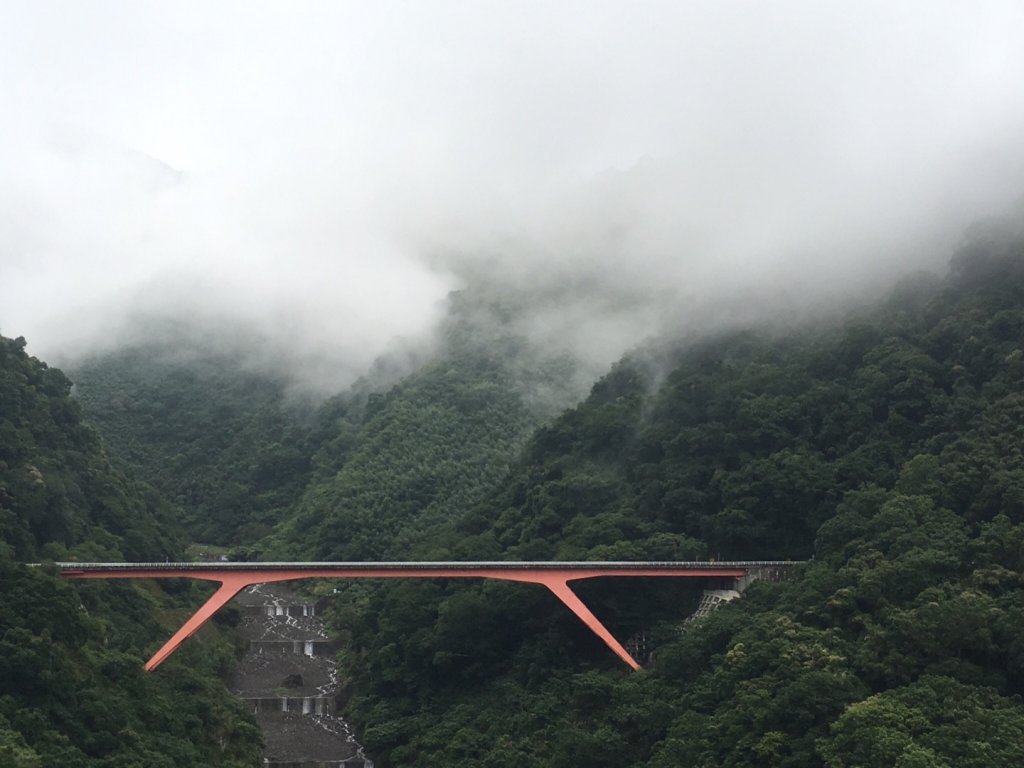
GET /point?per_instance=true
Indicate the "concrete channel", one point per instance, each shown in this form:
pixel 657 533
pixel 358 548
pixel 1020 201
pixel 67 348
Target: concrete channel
pixel 289 678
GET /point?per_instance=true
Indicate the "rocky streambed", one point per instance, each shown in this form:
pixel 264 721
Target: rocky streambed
pixel 290 679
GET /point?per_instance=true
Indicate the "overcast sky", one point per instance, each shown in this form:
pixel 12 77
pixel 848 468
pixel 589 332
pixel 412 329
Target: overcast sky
pixel 330 169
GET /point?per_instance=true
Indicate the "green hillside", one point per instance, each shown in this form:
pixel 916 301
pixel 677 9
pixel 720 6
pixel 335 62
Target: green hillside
pixel 219 439
pixel 363 474
pixel 72 690
pixel 885 446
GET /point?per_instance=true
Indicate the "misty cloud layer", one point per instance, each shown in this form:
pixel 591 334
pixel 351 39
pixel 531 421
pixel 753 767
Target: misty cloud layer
pixel 327 172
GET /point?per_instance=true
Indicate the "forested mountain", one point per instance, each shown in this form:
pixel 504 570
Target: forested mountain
pixel 229 443
pixel 883 445
pixel 72 690
pixel 886 446
pixel 413 458
pixel 217 436
pixel 59 489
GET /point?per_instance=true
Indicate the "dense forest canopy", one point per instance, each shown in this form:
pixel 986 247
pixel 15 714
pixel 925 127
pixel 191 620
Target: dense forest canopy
pixel 223 442
pixel 72 690
pixel 237 450
pixel 883 445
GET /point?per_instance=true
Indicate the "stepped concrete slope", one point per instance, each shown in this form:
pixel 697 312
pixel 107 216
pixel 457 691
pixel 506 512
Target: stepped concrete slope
pixel 291 684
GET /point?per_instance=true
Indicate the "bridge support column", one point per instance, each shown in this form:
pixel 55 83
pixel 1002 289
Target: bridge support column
pixel 573 603
pixel 230 586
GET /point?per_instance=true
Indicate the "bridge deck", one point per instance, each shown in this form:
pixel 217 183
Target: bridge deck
pixel 479 565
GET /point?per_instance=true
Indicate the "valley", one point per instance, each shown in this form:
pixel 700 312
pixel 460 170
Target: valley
pixel 882 447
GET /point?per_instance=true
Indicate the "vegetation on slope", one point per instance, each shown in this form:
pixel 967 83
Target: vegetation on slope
pixel 888 447
pixel 419 454
pixel 72 690
pixel 885 446
pixel 224 443
pixel 225 439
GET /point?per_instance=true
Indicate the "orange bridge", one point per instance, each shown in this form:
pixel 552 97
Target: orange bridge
pixel 234 577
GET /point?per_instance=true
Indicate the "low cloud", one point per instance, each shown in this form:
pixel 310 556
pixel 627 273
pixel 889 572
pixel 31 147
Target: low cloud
pixel 326 174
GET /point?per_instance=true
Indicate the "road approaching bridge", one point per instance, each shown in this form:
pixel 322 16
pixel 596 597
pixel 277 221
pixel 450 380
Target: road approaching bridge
pixel 234 577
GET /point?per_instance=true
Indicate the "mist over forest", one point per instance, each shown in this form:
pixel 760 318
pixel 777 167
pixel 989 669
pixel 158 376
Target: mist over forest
pixel 583 281
pixel 325 177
